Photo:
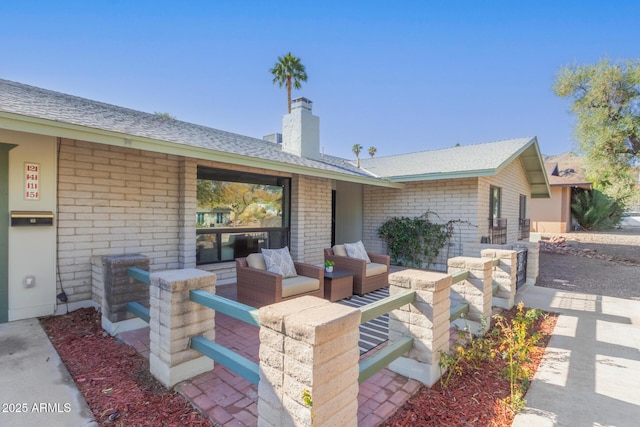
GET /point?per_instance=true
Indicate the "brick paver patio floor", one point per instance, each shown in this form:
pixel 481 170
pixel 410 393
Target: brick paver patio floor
pixel 230 400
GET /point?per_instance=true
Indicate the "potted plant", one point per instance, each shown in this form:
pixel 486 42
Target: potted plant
pixel 328 266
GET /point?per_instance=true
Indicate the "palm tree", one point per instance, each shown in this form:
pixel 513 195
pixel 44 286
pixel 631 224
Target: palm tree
pixel 289 70
pixel 372 151
pixel 356 150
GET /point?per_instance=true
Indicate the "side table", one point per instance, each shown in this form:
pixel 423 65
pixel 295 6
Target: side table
pixel 338 285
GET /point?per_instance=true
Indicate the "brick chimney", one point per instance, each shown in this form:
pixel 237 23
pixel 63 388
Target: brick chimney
pixel 301 130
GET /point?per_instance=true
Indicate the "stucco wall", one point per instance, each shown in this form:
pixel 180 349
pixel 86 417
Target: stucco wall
pixel 552 215
pixel 31 249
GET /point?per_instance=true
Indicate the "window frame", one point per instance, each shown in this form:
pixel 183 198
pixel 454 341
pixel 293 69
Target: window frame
pixel 277 237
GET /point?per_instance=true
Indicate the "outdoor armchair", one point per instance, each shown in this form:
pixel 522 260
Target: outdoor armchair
pixel 367 276
pixel 258 287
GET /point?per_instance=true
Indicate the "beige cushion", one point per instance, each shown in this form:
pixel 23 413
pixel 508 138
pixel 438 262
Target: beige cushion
pixel 299 285
pixel 339 250
pixel 256 261
pixel 357 250
pixel 373 269
pixel 279 261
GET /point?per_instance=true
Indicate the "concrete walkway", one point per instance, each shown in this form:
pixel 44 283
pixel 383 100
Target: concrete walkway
pixel 35 387
pixel 590 374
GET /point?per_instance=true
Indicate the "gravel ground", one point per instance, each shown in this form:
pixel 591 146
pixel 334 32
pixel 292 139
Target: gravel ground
pixel 601 263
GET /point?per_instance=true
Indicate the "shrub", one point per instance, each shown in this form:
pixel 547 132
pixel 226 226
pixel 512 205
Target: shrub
pixel 595 210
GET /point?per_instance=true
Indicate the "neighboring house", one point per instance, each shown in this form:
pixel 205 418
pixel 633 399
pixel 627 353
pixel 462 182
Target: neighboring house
pixel 553 215
pixel 80 179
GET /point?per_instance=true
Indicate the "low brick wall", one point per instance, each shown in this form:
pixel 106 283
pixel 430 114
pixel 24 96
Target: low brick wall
pixel 117 289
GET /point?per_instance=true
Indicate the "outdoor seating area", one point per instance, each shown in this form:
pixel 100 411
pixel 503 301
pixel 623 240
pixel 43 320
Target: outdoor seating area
pixel 370 271
pixel 271 276
pixel 259 284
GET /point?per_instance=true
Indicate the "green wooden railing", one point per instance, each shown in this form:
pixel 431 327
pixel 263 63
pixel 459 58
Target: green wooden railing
pixel 136 308
pixel 242 366
pixel 391 352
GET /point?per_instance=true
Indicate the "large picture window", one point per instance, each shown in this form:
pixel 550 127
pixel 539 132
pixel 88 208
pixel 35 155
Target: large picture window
pixel 239 213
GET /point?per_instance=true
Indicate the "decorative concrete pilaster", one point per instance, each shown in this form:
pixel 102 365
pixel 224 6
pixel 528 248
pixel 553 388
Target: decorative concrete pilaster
pixel 117 289
pixel 504 275
pixel 308 344
pixel 174 319
pixel 426 320
pixel 476 290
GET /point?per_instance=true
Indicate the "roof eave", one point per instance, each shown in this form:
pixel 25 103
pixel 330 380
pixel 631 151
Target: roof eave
pixel 21 123
pixel 439 175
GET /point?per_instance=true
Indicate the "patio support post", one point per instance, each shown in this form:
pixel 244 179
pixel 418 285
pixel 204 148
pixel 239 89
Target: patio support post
pixel 174 319
pixel 504 276
pixel 426 320
pixel 475 290
pixel 308 345
pixel 113 289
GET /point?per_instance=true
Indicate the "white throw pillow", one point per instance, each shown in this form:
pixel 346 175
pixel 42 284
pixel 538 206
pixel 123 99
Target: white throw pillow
pixel 357 250
pixel 279 261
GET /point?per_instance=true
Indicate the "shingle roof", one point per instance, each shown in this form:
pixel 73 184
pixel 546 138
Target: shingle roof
pixel 25 100
pixel 468 159
pixel 485 159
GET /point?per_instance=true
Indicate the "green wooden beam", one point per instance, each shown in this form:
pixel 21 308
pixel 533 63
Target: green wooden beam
pixel 459 276
pixel 458 311
pixel 382 358
pixel 237 310
pixel 139 274
pixel 385 305
pixel 242 366
pixel 139 310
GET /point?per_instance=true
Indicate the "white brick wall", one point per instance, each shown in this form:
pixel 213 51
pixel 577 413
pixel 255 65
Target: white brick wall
pixel 464 199
pixel 310 218
pixel 513 182
pixel 449 199
pixel 114 200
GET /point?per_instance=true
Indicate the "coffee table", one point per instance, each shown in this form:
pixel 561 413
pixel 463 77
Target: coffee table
pixel 338 285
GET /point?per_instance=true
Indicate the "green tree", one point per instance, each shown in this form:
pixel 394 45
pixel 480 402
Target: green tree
pixel 606 102
pixel 356 150
pixel 289 71
pixel 164 115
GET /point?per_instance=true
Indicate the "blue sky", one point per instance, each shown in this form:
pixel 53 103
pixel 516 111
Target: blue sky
pixel 402 76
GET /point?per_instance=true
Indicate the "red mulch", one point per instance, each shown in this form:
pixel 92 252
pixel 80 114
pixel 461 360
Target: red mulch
pixel 475 397
pixel 113 378
pixel 120 391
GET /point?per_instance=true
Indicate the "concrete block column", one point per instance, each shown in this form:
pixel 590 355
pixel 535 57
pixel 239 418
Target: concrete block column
pixel 426 320
pixel 504 275
pixel 174 319
pixel 476 289
pixel 308 344
pixel 113 289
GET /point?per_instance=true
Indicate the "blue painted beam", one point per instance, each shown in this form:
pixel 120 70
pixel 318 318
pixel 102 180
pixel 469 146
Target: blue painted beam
pixel 139 310
pixel 139 274
pixel 240 365
pixel 243 312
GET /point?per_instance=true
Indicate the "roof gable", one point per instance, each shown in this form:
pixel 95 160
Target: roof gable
pixel 467 161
